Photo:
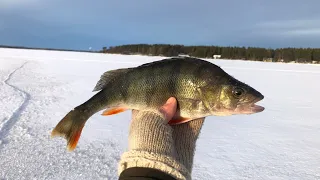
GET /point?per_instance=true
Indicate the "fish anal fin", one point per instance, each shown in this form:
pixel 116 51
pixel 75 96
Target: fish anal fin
pixel 179 120
pixel 113 111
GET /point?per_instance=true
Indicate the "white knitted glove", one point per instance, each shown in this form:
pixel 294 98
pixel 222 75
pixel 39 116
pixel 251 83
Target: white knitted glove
pixel 155 144
pixel 185 137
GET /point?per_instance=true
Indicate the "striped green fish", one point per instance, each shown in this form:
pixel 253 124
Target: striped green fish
pixel 200 87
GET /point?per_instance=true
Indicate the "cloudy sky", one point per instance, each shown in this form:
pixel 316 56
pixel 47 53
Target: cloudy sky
pixel 80 24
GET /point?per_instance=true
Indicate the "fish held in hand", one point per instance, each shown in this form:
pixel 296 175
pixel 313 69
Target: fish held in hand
pixel 200 87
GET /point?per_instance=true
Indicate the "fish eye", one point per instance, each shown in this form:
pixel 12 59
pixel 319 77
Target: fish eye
pixel 238 92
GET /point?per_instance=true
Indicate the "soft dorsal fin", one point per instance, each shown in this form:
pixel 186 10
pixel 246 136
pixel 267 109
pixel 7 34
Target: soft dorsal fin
pixel 108 76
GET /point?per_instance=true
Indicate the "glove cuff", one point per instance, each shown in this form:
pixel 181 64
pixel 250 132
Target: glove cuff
pixel 161 162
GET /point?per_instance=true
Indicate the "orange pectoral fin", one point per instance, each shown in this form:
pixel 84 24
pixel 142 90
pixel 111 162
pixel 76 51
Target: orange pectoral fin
pixel 113 111
pixel 179 121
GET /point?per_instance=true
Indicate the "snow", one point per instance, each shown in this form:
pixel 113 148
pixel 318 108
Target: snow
pixel 39 87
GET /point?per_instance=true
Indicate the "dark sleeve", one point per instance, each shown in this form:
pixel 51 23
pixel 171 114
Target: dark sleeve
pixel 141 173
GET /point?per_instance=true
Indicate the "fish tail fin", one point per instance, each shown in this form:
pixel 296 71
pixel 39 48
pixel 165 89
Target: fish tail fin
pixel 70 127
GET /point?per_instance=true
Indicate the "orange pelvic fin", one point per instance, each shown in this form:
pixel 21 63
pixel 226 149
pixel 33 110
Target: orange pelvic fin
pixel 179 120
pixel 113 111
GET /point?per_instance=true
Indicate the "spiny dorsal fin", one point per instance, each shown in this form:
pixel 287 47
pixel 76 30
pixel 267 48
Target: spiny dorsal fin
pixel 108 76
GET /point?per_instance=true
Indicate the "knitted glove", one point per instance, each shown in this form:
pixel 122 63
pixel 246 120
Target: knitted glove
pixel 155 144
pixel 185 136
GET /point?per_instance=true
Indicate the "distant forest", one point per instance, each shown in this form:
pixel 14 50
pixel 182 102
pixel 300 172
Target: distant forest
pixel 298 55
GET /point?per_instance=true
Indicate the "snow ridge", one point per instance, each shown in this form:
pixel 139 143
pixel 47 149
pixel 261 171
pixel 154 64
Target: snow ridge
pixel 9 123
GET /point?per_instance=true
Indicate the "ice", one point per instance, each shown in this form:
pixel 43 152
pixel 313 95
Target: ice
pixel 39 87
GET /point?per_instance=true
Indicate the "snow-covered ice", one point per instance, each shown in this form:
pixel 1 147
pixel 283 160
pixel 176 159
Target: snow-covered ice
pixel 39 87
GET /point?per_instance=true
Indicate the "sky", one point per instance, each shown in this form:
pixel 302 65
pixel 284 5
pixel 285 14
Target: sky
pixel 80 24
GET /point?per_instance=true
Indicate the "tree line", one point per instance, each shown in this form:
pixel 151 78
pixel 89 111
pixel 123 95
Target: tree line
pixel 300 55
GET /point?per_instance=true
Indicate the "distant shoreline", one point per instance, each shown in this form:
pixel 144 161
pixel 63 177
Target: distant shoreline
pixel 50 49
pixel 127 50
pixel 281 55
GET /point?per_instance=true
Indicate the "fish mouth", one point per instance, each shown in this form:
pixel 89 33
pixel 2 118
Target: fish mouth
pixel 256 108
pixel 250 108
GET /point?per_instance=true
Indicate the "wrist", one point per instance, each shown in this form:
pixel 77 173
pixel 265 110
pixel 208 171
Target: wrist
pixel 166 164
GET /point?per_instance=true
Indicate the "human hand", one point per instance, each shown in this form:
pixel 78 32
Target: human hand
pixel 153 143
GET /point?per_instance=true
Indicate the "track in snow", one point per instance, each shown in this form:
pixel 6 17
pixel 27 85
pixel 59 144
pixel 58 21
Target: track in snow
pixel 9 123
